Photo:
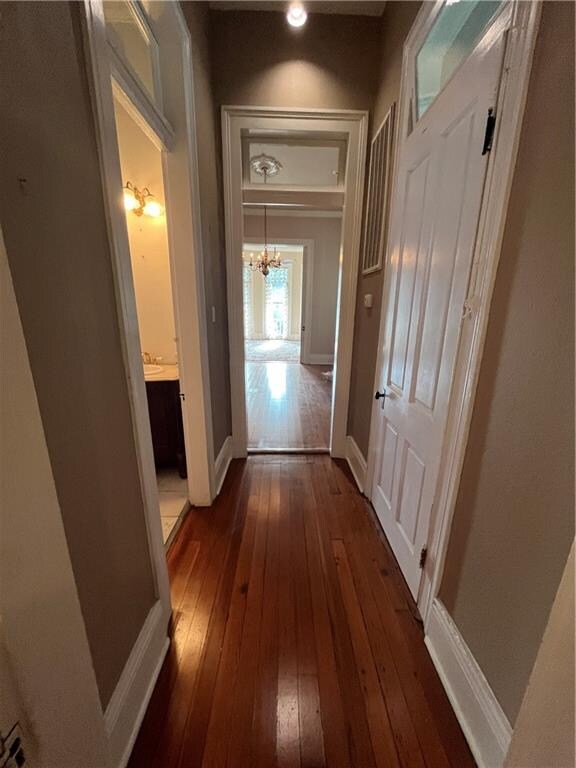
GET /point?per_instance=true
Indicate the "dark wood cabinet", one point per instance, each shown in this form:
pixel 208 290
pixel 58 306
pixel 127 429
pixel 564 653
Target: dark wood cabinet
pixel 165 413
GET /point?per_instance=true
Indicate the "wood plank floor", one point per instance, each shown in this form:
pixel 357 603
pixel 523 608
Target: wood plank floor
pixel 295 641
pixel 288 406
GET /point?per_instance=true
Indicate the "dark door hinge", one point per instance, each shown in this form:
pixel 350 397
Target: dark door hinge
pixel 489 133
pixel 423 555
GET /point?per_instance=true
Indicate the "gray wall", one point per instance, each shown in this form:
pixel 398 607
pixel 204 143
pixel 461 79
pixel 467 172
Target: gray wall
pixel 514 519
pixel 46 672
pixel 396 22
pixel 259 60
pixel 212 215
pixel 57 243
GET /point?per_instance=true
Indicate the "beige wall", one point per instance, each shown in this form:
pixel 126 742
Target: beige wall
pixel 544 732
pixel 325 232
pixel 260 60
pixel 56 238
pixel 514 519
pixel 212 215
pixel 396 22
pixel 141 164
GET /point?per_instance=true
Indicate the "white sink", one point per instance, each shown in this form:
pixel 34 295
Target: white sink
pixel 151 369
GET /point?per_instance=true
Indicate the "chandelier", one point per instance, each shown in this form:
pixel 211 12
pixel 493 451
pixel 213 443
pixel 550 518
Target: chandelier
pixel 265 261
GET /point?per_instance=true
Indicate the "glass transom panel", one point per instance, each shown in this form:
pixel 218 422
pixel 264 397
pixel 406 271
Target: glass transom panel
pixel 450 40
pixel 129 38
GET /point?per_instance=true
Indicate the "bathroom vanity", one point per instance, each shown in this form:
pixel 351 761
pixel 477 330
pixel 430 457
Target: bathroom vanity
pixel 165 411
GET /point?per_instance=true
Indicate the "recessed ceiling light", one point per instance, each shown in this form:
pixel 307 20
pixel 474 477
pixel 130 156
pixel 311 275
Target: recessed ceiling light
pixel 296 15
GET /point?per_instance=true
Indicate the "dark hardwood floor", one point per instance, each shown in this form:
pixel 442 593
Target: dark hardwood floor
pixel 295 641
pixel 288 406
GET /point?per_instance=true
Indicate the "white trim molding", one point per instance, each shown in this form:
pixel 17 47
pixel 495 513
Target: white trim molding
pixel 127 707
pixel 222 463
pixel 481 717
pixel 105 126
pixel 356 462
pixel 317 358
pixel 352 125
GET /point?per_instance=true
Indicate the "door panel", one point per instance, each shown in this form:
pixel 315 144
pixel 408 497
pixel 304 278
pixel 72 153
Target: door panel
pixel 435 214
pixel 416 180
pixel 385 485
pixel 410 495
pixel 456 150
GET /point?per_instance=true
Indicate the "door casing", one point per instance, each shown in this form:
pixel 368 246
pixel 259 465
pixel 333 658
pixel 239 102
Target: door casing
pixel 107 75
pixel 352 125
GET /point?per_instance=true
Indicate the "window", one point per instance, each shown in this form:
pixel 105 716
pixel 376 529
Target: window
pixel 378 193
pixel 447 44
pixel 277 297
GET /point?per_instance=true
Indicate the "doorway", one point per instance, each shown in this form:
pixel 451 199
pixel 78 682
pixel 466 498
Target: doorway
pixel 300 169
pixel 145 206
pixel 458 99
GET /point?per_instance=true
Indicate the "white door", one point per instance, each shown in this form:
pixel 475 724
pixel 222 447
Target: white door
pixel 440 177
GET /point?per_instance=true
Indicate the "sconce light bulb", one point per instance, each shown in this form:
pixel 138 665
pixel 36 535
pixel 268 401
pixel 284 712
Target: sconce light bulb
pixel 130 202
pixel 152 208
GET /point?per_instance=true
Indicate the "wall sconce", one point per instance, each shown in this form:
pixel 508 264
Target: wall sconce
pixel 141 201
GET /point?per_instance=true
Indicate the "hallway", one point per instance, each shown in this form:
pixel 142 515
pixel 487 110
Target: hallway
pixel 294 640
pixel 288 406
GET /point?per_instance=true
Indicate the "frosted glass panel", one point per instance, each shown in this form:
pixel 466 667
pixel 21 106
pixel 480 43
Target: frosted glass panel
pixel 451 39
pixel 129 38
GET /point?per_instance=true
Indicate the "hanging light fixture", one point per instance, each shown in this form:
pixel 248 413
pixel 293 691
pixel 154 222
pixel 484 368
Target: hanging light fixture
pixel 141 201
pixel 265 262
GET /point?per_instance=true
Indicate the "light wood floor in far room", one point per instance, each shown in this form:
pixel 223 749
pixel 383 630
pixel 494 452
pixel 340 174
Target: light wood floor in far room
pixel 295 641
pixel 288 406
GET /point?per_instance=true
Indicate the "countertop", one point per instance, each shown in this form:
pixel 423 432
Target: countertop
pixel 169 372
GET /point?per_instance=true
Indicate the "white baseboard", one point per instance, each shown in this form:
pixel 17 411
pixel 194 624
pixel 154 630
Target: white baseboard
pixel 127 707
pixel 222 463
pixel 485 725
pixel 356 462
pixel 315 358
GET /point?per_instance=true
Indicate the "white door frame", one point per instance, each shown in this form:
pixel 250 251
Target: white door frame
pixel 522 20
pixel 353 125
pixel 101 86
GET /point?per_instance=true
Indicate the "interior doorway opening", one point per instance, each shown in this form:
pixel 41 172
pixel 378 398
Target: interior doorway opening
pixel 307 169
pixel 141 165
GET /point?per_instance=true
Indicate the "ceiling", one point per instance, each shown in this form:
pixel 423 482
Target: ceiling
pixel 354 8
